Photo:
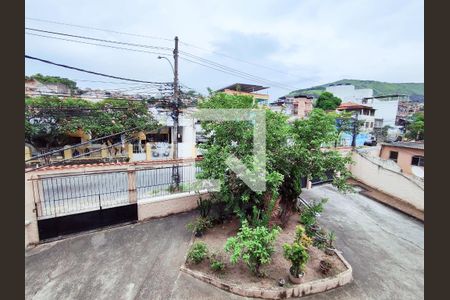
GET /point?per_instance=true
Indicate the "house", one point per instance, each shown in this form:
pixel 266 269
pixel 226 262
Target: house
pixel 348 92
pixel 363 113
pixel 249 90
pixel 387 107
pixel 409 156
pixel 298 107
pixel 34 88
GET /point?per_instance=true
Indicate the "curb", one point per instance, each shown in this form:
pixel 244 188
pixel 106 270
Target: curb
pixel 300 290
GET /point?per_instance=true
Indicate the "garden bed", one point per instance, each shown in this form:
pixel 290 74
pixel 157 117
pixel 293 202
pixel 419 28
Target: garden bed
pixel 238 277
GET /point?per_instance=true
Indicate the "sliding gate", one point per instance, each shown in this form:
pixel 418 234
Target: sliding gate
pixel 70 203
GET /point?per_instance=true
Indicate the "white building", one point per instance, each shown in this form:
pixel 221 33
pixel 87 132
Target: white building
pixel 348 93
pixel 386 107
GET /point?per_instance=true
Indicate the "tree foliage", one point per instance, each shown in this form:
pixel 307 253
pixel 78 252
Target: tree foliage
pixel 327 101
pixel 49 119
pixel 53 79
pixel 293 152
pixel 416 129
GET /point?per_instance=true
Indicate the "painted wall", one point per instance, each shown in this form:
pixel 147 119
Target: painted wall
pixel 348 93
pixel 373 172
pixel 404 156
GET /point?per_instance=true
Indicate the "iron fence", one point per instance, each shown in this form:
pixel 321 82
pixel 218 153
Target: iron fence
pixel 71 193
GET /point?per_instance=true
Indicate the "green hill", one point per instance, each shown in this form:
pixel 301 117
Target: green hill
pixel 414 90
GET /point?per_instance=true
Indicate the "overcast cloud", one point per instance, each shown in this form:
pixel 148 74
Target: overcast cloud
pixel 301 43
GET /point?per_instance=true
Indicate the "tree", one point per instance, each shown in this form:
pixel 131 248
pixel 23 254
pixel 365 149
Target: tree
pixel 293 152
pixel 53 79
pixel 416 129
pixel 344 123
pixel 327 101
pixel 49 119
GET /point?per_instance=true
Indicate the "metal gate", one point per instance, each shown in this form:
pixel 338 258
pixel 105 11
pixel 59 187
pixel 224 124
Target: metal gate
pixel 70 203
pixel 329 178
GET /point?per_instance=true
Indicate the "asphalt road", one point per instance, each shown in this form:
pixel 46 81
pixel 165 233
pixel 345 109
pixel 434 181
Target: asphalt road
pixel 384 247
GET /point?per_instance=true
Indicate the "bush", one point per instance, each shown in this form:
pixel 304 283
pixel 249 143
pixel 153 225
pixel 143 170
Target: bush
pixel 199 225
pixel 204 205
pixel 298 255
pixel 301 237
pixel 309 215
pixel 253 245
pixel 216 263
pixel 197 253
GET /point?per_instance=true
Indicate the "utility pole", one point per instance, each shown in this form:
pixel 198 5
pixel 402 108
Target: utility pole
pixel 175 115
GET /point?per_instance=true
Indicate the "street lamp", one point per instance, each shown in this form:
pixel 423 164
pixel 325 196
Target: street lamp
pixel 163 57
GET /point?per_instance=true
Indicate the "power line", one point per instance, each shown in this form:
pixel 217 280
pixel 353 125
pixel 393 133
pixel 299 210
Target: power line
pixel 92 72
pixel 230 70
pixel 97 39
pixel 232 73
pixel 101 29
pixel 95 44
pixel 160 38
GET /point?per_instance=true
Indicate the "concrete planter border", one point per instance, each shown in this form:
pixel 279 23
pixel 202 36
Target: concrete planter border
pixel 298 290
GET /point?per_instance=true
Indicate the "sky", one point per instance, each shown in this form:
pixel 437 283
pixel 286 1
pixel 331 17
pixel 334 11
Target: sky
pixel 289 44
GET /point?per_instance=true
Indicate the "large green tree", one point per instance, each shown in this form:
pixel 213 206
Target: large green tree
pixel 328 101
pixel 49 119
pixel 293 151
pixel 416 128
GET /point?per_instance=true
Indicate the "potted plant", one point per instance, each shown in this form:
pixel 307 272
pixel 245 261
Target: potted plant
pixel 329 249
pixel 298 255
pixel 325 266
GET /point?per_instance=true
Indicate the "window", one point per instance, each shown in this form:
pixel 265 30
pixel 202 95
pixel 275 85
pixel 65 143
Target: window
pixel 418 161
pixel 366 124
pixel 371 124
pixel 393 155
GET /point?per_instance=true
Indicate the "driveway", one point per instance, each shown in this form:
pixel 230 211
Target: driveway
pixel 384 247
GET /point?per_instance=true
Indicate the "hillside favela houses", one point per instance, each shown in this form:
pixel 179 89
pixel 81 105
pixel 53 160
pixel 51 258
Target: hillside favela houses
pixel 299 106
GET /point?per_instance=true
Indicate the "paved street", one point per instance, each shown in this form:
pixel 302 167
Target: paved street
pixel 384 246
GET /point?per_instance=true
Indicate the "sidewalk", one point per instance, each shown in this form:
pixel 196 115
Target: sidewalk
pixel 393 202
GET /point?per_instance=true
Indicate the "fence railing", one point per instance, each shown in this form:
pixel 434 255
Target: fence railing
pixel 64 194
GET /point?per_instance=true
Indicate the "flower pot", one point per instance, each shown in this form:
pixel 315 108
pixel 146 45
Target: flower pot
pixel 296 280
pixel 329 250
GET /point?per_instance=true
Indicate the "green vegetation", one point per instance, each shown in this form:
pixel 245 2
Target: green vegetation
pixel 217 265
pixel 53 79
pixel 297 252
pixel 199 225
pixel 197 253
pixel 327 101
pixel 415 90
pixel 49 119
pixel 293 151
pixel 416 129
pixel 253 245
pixel 309 215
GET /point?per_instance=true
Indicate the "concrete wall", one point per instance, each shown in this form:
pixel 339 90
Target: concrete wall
pixel 31 228
pixel 168 205
pixel 384 177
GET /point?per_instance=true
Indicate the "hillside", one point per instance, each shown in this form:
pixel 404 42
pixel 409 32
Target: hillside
pixel 414 90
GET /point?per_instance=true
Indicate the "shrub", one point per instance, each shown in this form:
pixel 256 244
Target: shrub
pixel 331 237
pixel 298 255
pixel 199 225
pixel 301 237
pixel 253 245
pixel 197 253
pixel 309 215
pixel 204 205
pixel 216 264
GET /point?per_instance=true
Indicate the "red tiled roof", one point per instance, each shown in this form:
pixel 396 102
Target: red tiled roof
pixel 352 105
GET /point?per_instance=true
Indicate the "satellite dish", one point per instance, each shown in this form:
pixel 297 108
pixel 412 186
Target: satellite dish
pixel 418 171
